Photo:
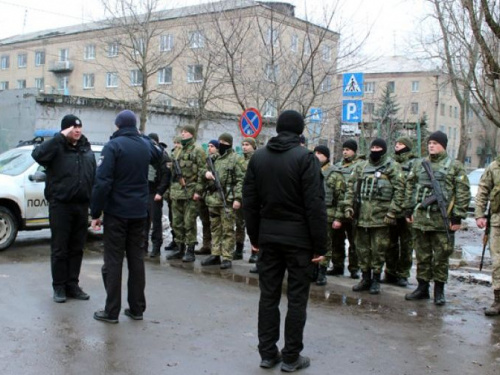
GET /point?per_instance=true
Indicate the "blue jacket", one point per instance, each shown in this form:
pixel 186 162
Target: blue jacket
pixel 121 182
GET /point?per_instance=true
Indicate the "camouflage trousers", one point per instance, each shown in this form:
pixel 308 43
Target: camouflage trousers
pixel 338 250
pixel 240 226
pixel 399 255
pixel 495 256
pixel 205 221
pixel 223 234
pixel 371 244
pixel 184 213
pixel 433 254
pixel 329 239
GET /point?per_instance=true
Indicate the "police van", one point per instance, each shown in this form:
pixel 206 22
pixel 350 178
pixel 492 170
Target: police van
pixel 22 202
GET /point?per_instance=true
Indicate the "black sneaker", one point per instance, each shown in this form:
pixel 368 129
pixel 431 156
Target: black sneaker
pixel 271 362
pixel 131 315
pixel 300 363
pixel 77 293
pixel 59 294
pixel 104 317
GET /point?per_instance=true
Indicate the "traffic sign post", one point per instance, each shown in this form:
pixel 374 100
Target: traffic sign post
pixel 352 111
pixel 353 84
pixel 250 123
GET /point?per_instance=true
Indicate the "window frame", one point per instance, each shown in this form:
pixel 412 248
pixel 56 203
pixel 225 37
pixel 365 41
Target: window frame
pixel 88 81
pixel 191 73
pixel 162 74
pixel 22 60
pixel 110 77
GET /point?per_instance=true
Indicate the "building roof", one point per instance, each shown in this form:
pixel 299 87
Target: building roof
pixel 396 64
pixel 220 6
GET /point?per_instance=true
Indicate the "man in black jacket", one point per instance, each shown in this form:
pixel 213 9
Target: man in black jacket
pixel 285 214
pixel 121 191
pixel 70 168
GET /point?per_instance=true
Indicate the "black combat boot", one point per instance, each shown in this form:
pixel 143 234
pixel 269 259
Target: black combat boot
pixel 172 246
pixel 439 293
pixel 238 253
pixel 155 252
pixel 253 257
pixel 321 280
pixel 336 271
pixel 179 254
pixel 494 309
pixel 422 291
pixel 189 256
pixel 206 249
pixel 375 285
pixel 389 278
pixel 365 283
pixel 211 260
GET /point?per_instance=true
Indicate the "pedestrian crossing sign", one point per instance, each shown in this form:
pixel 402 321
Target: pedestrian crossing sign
pixel 315 115
pixel 353 84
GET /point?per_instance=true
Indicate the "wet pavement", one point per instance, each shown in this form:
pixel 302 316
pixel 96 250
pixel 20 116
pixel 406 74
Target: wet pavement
pixel 201 320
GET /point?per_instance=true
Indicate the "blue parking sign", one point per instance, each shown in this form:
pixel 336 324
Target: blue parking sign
pixel 352 111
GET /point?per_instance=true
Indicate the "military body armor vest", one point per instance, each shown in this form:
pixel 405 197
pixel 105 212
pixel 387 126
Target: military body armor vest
pixel 375 184
pixel 423 189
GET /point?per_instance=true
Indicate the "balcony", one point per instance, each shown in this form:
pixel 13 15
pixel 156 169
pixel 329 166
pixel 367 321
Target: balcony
pixel 60 66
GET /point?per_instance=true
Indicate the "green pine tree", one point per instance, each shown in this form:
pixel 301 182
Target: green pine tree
pixel 385 117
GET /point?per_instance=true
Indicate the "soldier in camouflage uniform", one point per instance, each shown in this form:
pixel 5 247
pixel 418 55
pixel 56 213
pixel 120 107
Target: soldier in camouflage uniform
pixel 345 230
pixel 334 195
pixel 213 152
pixel 489 190
pixel 399 255
pixel 377 185
pixel 432 240
pixel 172 246
pixel 230 174
pixel 191 160
pixel 248 146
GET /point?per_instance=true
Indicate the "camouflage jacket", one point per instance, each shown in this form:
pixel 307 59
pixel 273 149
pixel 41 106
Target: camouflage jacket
pixel 380 187
pixel 489 190
pixel 244 161
pixel 346 166
pixel 230 173
pixel 455 186
pixel 406 161
pixel 334 192
pixel 191 159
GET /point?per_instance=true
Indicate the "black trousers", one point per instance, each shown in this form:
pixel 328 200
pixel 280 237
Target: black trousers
pixel 155 215
pixel 274 260
pixel 124 237
pixel 69 223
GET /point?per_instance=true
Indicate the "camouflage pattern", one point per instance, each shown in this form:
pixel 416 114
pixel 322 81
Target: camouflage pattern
pixel 223 237
pixel 184 213
pixel 430 240
pixel 240 221
pixel 489 190
pixel 372 243
pixel 399 256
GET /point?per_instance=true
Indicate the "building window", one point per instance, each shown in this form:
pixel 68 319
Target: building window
pixel 135 77
pixel 4 85
pixel 414 108
pixel 272 37
pixel 62 83
pixel 368 108
pixel 454 133
pixel 112 49
pixel 195 73
pixel 415 86
pixel 467 160
pixel 270 108
pixel 307 47
pixel 327 53
pixel 294 46
pixel 326 84
pixel 5 62
pixel 456 112
pixel 272 72
pixel 450 111
pixel 369 87
pixel 22 60
pixel 193 103
pixel 111 79
pixel 21 83
pixel 40 83
pixel 63 54
pixel 39 58
pixel 139 46
pixel 88 81
pixel 196 39
pixel 391 87
pixel 166 42
pixel 89 52
pixel 441 109
pixel 165 76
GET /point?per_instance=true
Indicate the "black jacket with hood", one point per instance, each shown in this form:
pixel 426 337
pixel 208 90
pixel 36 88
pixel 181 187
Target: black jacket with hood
pixel 283 196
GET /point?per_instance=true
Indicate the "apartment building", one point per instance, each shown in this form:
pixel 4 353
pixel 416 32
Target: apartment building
pixel 223 56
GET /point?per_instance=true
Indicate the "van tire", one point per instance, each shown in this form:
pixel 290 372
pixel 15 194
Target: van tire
pixel 8 228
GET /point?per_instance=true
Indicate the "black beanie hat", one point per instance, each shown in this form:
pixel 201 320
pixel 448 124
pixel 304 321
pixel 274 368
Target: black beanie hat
pixel 291 121
pixel 440 138
pixel 323 150
pixel 214 142
pixel 126 119
pixel 226 137
pixel 154 137
pixel 380 143
pixel 70 120
pixel 350 144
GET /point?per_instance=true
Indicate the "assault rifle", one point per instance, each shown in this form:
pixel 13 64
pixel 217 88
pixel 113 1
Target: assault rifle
pixel 437 197
pixel 356 202
pixel 178 174
pixel 218 185
pixel 486 237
